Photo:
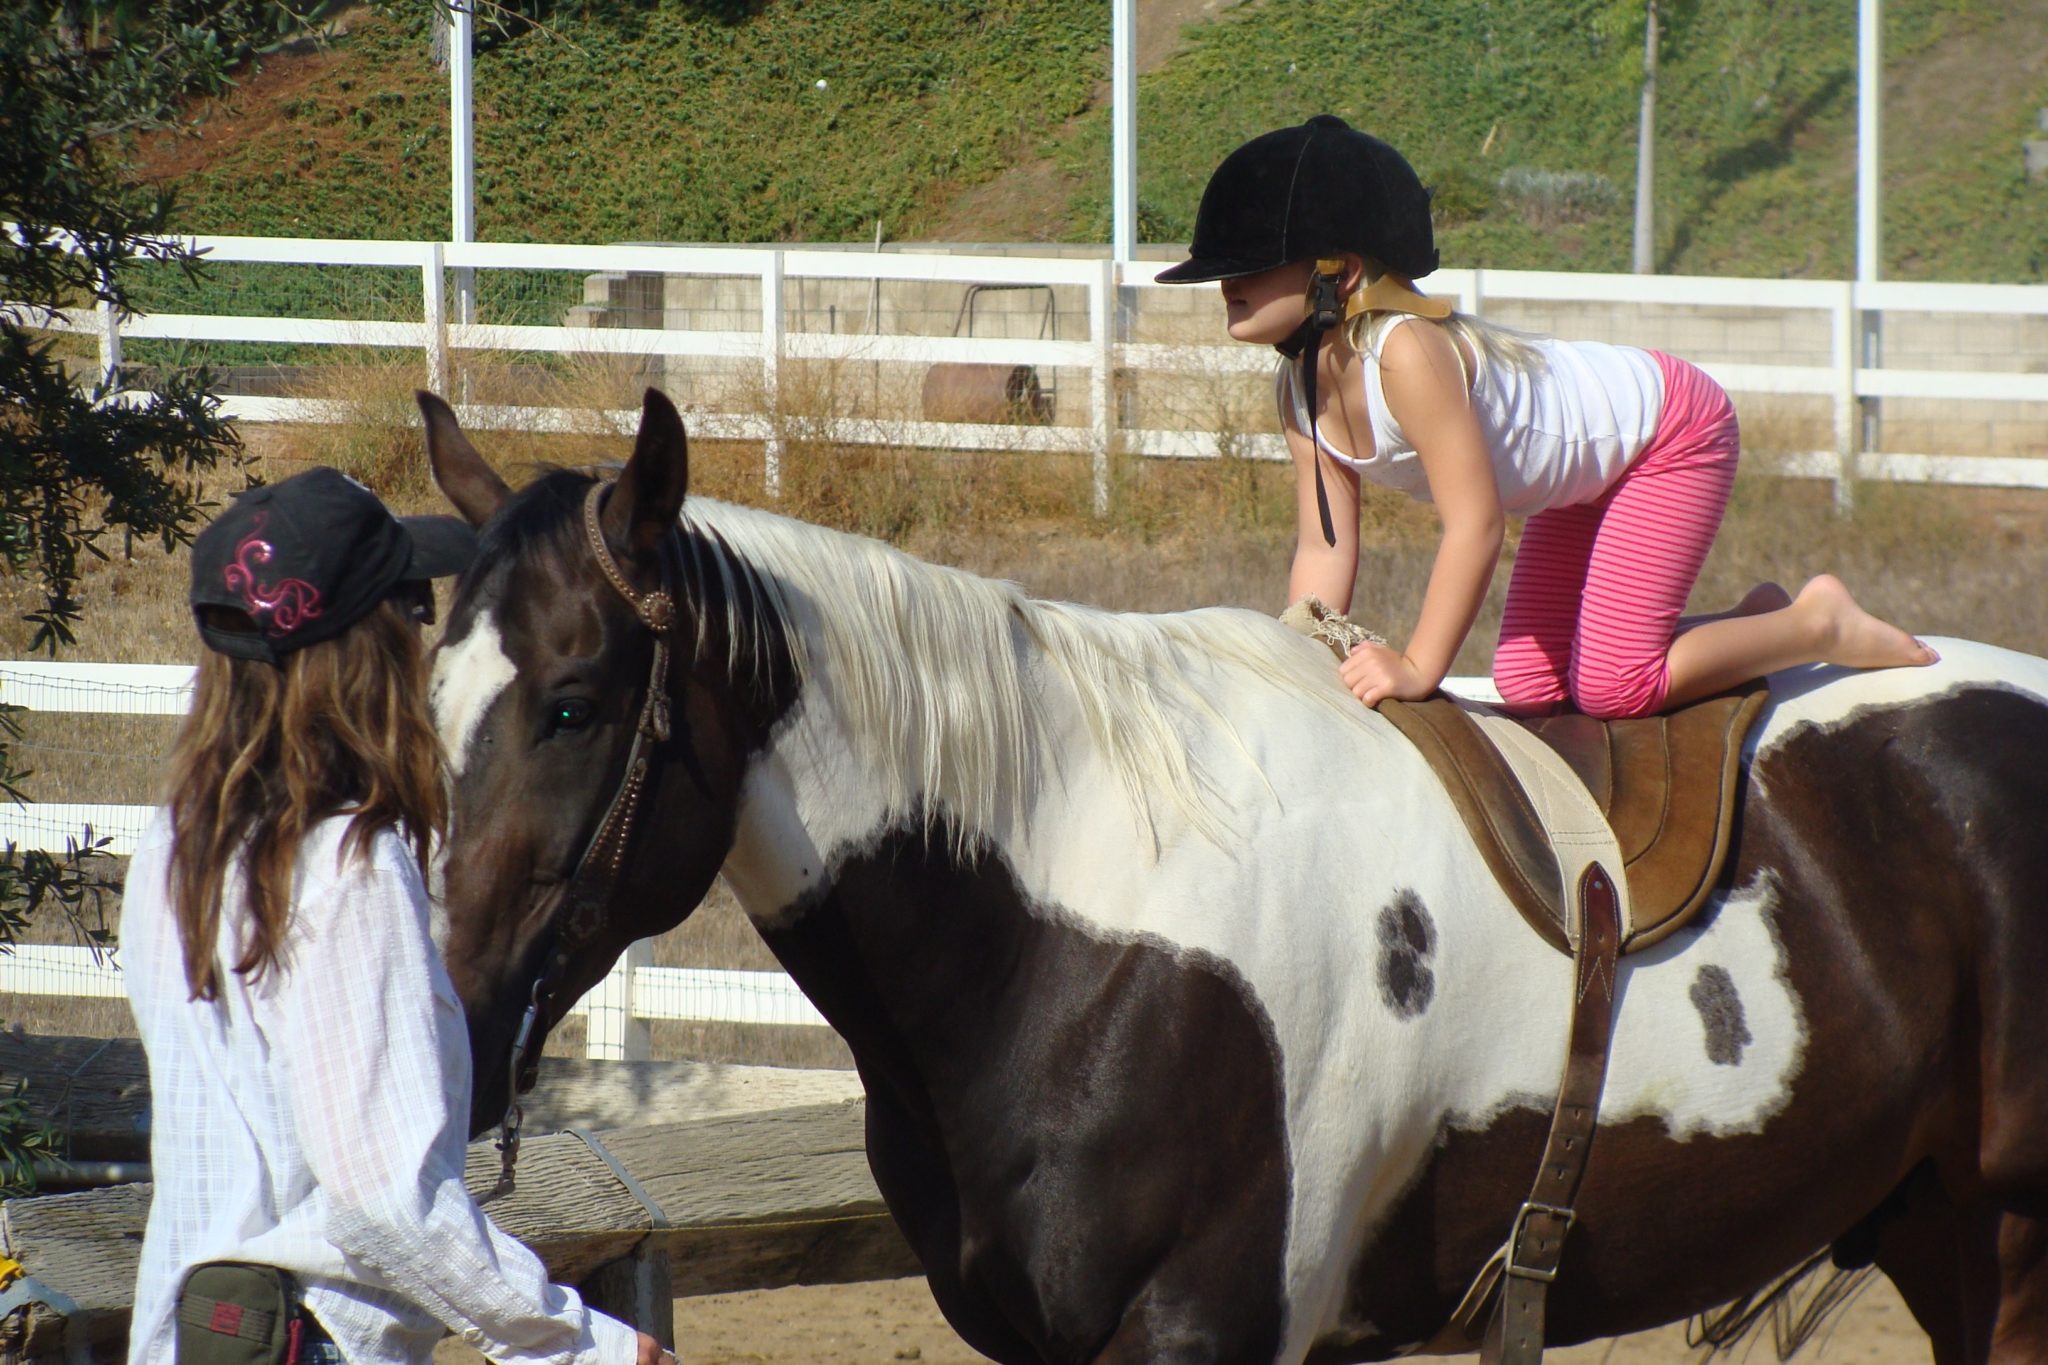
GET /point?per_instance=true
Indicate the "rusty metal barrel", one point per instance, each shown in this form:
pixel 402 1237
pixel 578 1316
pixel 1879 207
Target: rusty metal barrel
pixel 960 392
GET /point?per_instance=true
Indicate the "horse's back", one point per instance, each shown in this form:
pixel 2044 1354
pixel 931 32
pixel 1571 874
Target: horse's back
pixel 1925 792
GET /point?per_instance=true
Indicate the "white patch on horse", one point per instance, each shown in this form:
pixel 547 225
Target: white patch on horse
pixel 468 677
pixel 1659 1070
pixel 774 862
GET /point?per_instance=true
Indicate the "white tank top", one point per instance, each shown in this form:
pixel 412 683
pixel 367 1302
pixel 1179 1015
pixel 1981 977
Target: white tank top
pixel 1560 435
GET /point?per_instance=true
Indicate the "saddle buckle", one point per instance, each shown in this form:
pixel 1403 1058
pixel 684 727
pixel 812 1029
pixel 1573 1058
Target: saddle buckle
pixel 1542 1273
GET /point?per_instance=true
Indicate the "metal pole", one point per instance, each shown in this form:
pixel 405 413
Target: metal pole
pixel 462 152
pixel 1124 129
pixel 1869 216
pixel 1646 151
pixel 1869 94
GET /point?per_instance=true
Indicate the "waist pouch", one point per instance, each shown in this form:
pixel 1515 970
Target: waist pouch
pixel 238 1313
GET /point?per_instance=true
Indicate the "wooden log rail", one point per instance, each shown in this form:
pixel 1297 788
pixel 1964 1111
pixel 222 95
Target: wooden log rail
pixel 753 1201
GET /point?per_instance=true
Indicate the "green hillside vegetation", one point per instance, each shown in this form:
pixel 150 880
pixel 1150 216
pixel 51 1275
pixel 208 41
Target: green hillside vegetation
pixel 667 121
pixel 705 120
pixel 1523 117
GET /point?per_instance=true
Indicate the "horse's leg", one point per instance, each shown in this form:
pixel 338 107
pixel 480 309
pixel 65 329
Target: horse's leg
pixel 2022 1333
pixel 1944 1260
pixel 1147 1336
pixel 920 1195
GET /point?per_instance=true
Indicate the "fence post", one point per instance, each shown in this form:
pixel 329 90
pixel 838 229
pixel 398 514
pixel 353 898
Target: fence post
pixel 110 344
pixel 1847 434
pixel 1869 356
pixel 615 1033
pixel 1102 296
pixel 1472 298
pixel 771 372
pixel 433 289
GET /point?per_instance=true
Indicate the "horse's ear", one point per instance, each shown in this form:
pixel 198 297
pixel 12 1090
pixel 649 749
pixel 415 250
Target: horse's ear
pixel 649 498
pixel 459 471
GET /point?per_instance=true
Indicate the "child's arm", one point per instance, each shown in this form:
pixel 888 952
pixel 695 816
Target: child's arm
pixel 1426 395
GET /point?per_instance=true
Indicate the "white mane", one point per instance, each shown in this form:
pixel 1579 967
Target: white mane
pixel 927 667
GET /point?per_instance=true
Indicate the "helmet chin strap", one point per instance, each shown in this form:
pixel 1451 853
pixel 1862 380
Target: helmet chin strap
pixel 1385 293
pixel 1306 343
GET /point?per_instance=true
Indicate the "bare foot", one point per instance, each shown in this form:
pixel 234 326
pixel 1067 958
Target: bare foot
pixel 1850 636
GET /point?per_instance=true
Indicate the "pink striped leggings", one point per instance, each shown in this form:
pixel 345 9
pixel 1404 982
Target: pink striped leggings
pixel 1598 588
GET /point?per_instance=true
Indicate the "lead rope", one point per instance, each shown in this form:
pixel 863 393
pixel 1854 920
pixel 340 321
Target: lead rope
pixel 508 1126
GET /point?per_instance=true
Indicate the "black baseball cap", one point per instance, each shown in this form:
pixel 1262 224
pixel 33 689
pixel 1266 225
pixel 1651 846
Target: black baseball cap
pixel 1316 189
pixel 307 557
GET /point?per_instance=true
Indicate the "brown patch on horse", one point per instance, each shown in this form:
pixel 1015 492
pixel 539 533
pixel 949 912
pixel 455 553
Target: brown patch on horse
pixel 1714 995
pixel 1407 940
pixel 1091 1170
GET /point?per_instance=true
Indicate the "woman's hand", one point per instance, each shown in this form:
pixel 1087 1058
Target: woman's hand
pixel 1376 672
pixel 653 1353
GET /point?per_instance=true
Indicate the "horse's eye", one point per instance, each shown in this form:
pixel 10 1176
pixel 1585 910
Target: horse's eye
pixel 568 713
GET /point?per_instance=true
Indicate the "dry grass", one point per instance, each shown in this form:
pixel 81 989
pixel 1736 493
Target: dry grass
pixel 1180 534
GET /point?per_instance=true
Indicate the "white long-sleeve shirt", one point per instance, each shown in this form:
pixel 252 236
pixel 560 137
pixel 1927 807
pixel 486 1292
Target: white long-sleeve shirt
pixel 317 1121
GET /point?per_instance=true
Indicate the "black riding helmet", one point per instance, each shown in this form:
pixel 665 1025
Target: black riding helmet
pixel 1316 189
pixel 1312 191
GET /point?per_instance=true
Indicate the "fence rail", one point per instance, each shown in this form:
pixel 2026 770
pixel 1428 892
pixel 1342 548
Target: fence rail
pixel 1112 289
pixel 699 994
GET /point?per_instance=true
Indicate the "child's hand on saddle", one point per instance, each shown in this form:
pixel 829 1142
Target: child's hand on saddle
pixel 1376 672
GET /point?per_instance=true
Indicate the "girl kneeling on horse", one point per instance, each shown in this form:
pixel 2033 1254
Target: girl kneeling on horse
pixel 1621 459
pixel 308 1056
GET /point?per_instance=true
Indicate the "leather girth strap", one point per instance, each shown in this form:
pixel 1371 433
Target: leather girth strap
pixel 1502 1314
pixel 1514 1334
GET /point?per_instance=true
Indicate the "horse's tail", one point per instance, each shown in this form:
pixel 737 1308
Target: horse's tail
pixel 1796 1307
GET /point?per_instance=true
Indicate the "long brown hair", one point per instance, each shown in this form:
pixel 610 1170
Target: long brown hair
pixel 270 750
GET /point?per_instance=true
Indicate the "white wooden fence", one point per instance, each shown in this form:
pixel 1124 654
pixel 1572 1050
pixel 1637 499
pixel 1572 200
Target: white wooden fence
pixel 619 1008
pixel 1111 288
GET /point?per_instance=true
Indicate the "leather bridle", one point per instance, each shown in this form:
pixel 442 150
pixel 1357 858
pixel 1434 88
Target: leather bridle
pixel 596 876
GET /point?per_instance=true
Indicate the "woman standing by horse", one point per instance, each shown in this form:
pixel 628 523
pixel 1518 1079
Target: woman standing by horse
pixel 306 1051
pixel 1622 459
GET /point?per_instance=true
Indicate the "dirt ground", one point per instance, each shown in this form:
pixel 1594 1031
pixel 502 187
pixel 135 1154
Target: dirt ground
pixel 896 1320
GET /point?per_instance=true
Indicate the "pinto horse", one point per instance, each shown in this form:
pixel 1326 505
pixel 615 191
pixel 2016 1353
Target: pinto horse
pixel 1192 1024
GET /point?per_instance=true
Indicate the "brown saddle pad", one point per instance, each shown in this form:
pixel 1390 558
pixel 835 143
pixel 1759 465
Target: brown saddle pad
pixel 1667 784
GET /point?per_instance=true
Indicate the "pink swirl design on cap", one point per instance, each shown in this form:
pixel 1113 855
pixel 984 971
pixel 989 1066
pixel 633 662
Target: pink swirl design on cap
pixel 286 605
